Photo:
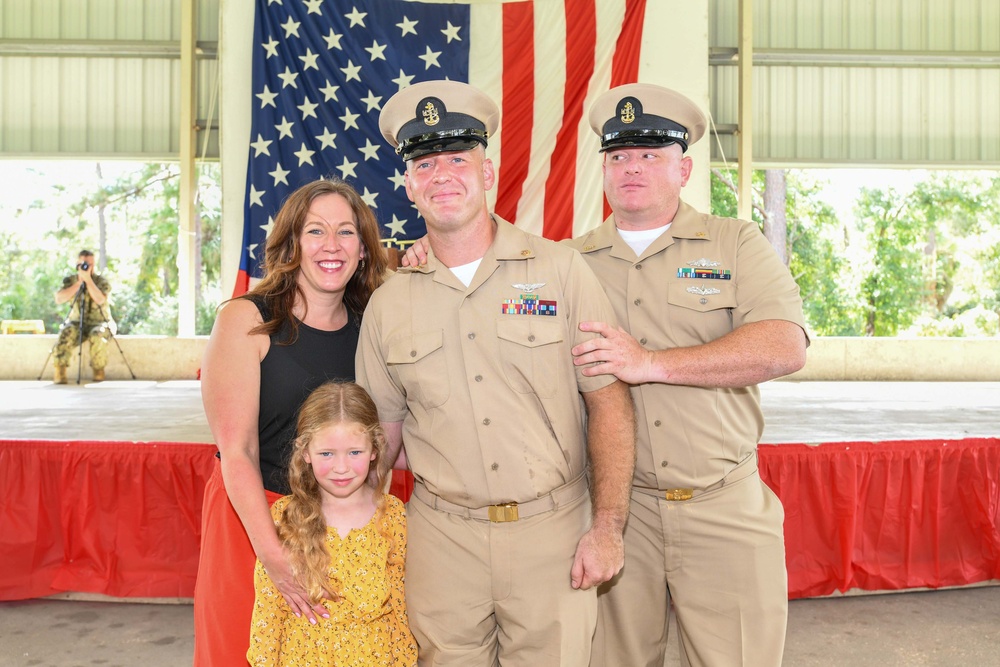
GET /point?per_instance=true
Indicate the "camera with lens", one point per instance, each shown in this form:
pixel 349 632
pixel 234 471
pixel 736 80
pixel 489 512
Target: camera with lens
pixel 83 266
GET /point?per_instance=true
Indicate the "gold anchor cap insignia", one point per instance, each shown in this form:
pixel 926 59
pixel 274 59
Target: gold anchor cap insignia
pixel 628 113
pixel 430 114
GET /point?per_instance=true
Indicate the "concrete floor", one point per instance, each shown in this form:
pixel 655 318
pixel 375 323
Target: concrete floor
pixel 808 412
pixel 917 629
pixel 913 629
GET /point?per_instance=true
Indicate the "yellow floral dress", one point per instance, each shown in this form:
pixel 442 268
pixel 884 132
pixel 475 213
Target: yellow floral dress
pixel 366 627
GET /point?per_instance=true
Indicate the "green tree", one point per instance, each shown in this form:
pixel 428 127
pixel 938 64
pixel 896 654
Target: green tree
pixel 990 258
pixel 892 287
pixel 815 247
pixel 29 279
pixel 817 252
pixel 723 195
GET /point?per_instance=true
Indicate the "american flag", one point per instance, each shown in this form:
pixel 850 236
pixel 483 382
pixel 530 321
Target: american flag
pixel 322 69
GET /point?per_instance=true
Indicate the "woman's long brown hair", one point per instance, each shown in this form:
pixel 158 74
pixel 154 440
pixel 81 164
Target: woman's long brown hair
pixel 283 257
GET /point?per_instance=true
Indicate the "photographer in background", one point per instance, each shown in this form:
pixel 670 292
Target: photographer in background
pixel 89 294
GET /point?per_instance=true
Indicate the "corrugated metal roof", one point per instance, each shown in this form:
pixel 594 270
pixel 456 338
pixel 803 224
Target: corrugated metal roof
pixel 892 82
pixel 101 78
pixel 843 82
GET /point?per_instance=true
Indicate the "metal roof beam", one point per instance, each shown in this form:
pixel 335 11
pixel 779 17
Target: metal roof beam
pixel 722 56
pixel 89 48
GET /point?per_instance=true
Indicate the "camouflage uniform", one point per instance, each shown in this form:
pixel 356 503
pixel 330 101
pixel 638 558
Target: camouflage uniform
pixel 98 326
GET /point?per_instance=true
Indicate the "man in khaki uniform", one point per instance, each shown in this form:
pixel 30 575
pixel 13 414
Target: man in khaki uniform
pixel 710 312
pixel 468 359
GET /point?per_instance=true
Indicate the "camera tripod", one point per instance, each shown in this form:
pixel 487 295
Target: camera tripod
pixel 78 300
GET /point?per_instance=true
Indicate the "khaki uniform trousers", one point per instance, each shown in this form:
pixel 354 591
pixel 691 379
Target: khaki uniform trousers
pixel 721 557
pixel 481 594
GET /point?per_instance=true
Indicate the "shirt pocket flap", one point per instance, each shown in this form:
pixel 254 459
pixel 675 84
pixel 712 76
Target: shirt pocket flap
pixel 529 332
pixel 702 297
pixel 412 349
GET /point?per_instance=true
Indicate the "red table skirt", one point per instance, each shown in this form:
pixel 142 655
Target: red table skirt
pixel 123 519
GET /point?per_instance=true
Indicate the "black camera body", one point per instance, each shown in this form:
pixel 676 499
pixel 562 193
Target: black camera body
pixel 84 266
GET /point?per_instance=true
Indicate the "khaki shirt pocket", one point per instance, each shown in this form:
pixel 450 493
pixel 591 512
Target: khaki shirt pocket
pixel 530 354
pixel 697 311
pixel 422 366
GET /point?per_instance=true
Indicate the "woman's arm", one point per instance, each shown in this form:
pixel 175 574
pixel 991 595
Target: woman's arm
pixel 230 389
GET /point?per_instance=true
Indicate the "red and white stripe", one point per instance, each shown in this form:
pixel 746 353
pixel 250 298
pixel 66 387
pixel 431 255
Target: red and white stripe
pixel 545 62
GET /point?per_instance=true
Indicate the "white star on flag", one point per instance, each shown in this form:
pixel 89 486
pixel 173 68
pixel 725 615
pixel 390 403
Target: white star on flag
pixel 267 98
pixel 356 17
pixel 370 150
pixel 291 28
pixel 347 168
pixel 430 58
pixel 304 155
pixel 279 174
pixel 407 27
pixel 397 226
pixel 369 198
pixel 260 146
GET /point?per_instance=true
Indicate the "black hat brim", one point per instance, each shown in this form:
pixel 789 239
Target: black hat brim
pixel 440 145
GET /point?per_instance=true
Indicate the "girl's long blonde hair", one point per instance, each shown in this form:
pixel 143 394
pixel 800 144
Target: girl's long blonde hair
pixel 302 527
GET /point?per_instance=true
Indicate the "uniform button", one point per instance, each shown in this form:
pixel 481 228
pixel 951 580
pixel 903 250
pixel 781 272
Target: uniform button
pixel 657 422
pixel 663 464
pixel 413 353
pixel 486 422
pixel 472 336
pixel 637 301
pixel 531 339
pixel 495 466
pixel 642 341
pixel 638 267
pixel 479 378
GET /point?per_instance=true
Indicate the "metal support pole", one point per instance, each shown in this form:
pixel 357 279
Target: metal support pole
pixel 744 184
pixel 188 184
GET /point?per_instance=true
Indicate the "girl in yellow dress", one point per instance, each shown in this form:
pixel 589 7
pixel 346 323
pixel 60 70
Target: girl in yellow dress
pixel 346 541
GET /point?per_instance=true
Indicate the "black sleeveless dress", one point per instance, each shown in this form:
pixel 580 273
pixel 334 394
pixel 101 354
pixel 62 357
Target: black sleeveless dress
pixel 287 375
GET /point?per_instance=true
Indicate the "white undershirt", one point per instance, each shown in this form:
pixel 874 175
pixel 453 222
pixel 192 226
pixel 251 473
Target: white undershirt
pixel 465 272
pixel 639 240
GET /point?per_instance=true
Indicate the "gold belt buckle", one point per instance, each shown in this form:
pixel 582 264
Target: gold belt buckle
pixel 503 513
pixel 678 494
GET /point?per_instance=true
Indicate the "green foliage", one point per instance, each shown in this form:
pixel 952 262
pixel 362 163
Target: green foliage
pixel 990 294
pixel 29 280
pixel 723 186
pixel 925 262
pixel 893 283
pixel 817 260
pixel 140 210
pixel 815 243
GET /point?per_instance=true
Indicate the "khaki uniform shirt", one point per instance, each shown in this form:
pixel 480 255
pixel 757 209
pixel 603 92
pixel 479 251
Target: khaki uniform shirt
pixel 691 437
pixel 489 399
